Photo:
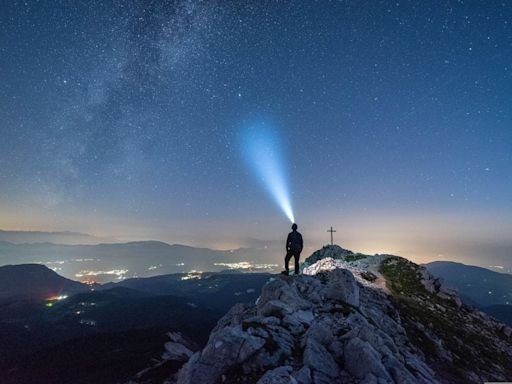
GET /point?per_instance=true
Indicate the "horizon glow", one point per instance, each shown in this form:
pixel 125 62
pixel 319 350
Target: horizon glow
pixel 263 152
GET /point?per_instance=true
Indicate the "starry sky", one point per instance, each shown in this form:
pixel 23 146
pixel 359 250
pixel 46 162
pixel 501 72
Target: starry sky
pixel 124 119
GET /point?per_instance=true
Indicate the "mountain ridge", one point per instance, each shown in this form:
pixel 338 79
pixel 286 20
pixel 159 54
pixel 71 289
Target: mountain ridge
pixel 131 259
pixel 57 237
pixel 481 286
pixel 335 322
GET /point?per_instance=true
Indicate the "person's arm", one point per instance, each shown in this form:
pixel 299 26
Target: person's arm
pixel 301 242
pixel 287 246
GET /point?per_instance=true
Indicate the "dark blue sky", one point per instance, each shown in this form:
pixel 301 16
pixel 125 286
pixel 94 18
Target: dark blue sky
pixel 395 117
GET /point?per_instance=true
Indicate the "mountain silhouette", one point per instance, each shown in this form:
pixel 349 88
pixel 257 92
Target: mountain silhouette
pixel 35 281
pixel 477 285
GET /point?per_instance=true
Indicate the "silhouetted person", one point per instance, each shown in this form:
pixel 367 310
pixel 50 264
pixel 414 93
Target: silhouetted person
pixel 294 246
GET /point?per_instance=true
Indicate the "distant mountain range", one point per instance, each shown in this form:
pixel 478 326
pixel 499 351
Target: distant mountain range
pixel 63 237
pixel 478 285
pixel 111 262
pixel 488 290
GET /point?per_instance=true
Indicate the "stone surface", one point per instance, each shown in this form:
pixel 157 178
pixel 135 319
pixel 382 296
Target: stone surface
pixel 361 359
pixel 176 351
pixel 275 308
pixel 342 286
pixel 333 328
pixel 317 358
pixel 303 375
pixel 281 375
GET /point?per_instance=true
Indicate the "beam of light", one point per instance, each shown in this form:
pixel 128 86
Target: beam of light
pixel 263 151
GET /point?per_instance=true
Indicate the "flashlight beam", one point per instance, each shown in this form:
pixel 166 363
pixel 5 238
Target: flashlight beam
pixel 264 155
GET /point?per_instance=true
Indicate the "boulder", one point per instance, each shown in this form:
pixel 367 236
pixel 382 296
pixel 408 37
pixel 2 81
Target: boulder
pixel 281 375
pixel 317 358
pixel 291 323
pixel 398 372
pixel 342 286
pixel 229 347
pixel 361 359
pixel 303 375
pixel 321 332
pixel 281 290
pixel 274 308
pixel 176 351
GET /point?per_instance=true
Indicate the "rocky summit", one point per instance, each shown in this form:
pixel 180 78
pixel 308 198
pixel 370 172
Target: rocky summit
pixel 353 318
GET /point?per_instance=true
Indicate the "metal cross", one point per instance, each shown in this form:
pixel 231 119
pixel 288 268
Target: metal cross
pixel 331 230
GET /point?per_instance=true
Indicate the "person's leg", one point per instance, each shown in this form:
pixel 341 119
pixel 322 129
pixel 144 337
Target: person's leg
pixel 287 261
pixel 296 257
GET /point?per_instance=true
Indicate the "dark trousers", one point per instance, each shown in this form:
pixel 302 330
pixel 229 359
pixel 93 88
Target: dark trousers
pixel 287 258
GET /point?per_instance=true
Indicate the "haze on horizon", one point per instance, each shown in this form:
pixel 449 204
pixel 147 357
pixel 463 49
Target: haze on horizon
pixel 123 120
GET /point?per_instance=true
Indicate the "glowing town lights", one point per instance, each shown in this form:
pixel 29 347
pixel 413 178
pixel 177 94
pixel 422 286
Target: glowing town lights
pixel 246 265
pixel 118 272
pixel 57 298
pixel 193 275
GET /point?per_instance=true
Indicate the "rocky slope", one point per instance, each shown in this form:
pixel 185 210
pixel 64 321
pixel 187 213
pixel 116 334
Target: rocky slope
pixel 353 318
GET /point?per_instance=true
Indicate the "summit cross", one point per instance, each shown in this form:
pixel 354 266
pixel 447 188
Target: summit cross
pixel 332 231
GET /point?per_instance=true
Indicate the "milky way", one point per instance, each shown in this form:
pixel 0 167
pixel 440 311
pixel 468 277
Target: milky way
pixel 123 118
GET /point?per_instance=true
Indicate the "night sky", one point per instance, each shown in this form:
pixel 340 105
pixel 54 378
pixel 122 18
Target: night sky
pixel 124 119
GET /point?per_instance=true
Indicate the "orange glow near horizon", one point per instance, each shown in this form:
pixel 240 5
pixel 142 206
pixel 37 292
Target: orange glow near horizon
pixel 472 238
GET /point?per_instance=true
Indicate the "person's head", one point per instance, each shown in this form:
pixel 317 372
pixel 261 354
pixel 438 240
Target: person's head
pixel 294 227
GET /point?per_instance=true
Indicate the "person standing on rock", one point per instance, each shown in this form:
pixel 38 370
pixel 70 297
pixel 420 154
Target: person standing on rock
pixel 294 246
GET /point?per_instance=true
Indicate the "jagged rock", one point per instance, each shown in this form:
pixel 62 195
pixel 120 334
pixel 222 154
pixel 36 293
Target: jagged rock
pixel 379 341
pixel 274 308
pixel 176 351
pixel 229 347
pixel 332 251
pixel 323 265
pixel 361 359
pixel 293 324
pixel 334 328
pixel 342 286
pixel 303 376
pixel 234 316
pixel 320 332
pixel 427 280
pixel 317 358
pixel 305 317
pixel 397 371
pixel 436 286
pixel 283 291
pixel 336 350
pixel 281 341
pixel 281 375
pixel 322 378
pixel 423 373
pixel 260 321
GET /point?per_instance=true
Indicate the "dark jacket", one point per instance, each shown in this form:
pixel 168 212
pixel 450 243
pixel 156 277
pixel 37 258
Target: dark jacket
pixel 294 242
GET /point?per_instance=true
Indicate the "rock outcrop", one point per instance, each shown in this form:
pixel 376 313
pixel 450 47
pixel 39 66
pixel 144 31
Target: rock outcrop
pixel 177 351
pixel 313 329
pixel 336 326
